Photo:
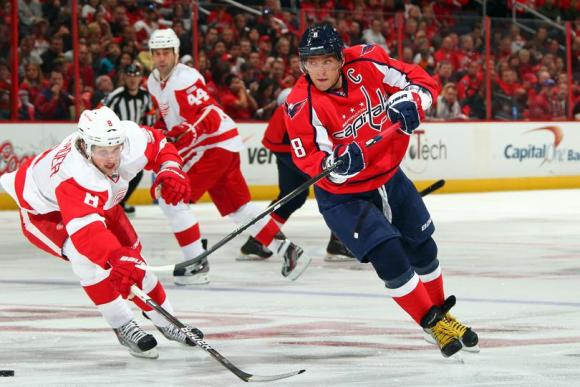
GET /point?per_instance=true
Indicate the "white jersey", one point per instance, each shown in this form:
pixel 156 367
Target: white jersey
pixel 65 163
pixel 184 97
pixel 62 180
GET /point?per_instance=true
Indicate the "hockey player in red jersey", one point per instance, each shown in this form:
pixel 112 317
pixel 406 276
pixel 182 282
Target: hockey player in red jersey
pixel 69 207
pixel 290 177
pixel 346 97
pixel 208 141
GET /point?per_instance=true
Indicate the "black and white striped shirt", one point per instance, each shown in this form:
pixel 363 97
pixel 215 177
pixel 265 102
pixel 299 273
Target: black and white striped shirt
pixel 128 107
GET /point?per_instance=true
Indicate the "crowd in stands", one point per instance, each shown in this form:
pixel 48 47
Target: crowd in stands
pixel 247 58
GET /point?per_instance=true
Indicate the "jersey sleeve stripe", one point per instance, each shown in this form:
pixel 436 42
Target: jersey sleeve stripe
pixel 321 138
pixel 76 224
pixel 320 135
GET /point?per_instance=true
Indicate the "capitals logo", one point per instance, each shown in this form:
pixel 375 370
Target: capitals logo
pixel 366 49
pixel 374 116
pixel 292 109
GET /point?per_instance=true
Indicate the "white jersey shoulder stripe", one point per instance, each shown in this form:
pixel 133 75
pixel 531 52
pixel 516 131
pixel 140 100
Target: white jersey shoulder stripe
pixel 321 134
pixel 392 76
pixel 78 223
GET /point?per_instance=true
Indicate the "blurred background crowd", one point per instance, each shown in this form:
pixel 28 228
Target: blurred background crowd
pixel 248 56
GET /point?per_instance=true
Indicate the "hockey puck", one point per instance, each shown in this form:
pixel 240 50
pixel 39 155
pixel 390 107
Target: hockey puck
pixel 6 372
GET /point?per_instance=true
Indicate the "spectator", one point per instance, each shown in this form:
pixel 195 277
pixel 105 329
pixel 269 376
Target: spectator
pixel 88 10
pixel 26 110
pixel 236 101
pixel 266 98
pixel 40 33
pixel 219 18
pixel 509 96
pixel 282 48
pixel 294 67
pixel 443 73
pixel 355 33
pixel 227 37
pixel 448 107
pixel 265 47
pixel 373 35
pixel 278 71
pixel 53 102
pixel 26 54
pixel 51 10
pixel 107 64
pixel 149 23
pixel 446 52
pixel 424 56
pixel 541 108
pixel 28 12
pixel 5 84
pixel 104 86
pixel 32 82
pixel 86 66
pixel 471 81
pixel 518 42
pixel 466 54
pixel 55 51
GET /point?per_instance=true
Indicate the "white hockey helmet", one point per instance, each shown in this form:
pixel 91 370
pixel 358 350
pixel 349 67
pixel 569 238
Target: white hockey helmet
pixel 100 127
pixel 165 38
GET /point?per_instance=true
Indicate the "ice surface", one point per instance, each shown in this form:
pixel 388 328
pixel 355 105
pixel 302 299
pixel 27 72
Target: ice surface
pixel 512 260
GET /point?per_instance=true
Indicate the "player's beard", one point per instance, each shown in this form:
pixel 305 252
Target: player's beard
pixel 159 77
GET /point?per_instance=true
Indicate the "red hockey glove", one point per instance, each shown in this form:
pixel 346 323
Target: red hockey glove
pixel 124 272
pixel 174 185
pixel 183 134
pixel 187 133
pixel 160 125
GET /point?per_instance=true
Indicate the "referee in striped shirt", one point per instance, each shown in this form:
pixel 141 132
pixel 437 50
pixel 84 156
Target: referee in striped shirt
pixel 133 103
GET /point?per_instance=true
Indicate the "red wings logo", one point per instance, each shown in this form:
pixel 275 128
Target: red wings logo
pixel 293 108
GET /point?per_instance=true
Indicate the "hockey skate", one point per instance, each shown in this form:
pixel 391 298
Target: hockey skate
pixel 171 332
pixel 441 330
pixel 139 343
pixel 194 274
pixel 295 262
pixel 465 334
pixel 336 251
pixel 253 250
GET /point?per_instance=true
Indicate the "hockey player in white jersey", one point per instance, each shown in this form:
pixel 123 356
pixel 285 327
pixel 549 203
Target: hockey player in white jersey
pixel 69 207
pixel 209 143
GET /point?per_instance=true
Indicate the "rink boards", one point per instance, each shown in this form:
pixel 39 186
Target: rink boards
pixel 470 156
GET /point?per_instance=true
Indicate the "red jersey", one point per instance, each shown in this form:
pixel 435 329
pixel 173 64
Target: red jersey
pixel 276 137
pixel 317 121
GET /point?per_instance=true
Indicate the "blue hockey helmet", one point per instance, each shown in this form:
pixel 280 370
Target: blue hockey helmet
pixel 320 39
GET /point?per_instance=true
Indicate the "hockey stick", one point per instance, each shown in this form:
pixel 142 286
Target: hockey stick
pixel 246 377
pixel 267 211
pixel 433 187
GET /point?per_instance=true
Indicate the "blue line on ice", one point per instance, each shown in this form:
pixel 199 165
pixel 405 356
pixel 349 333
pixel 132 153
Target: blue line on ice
pixel 303 292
